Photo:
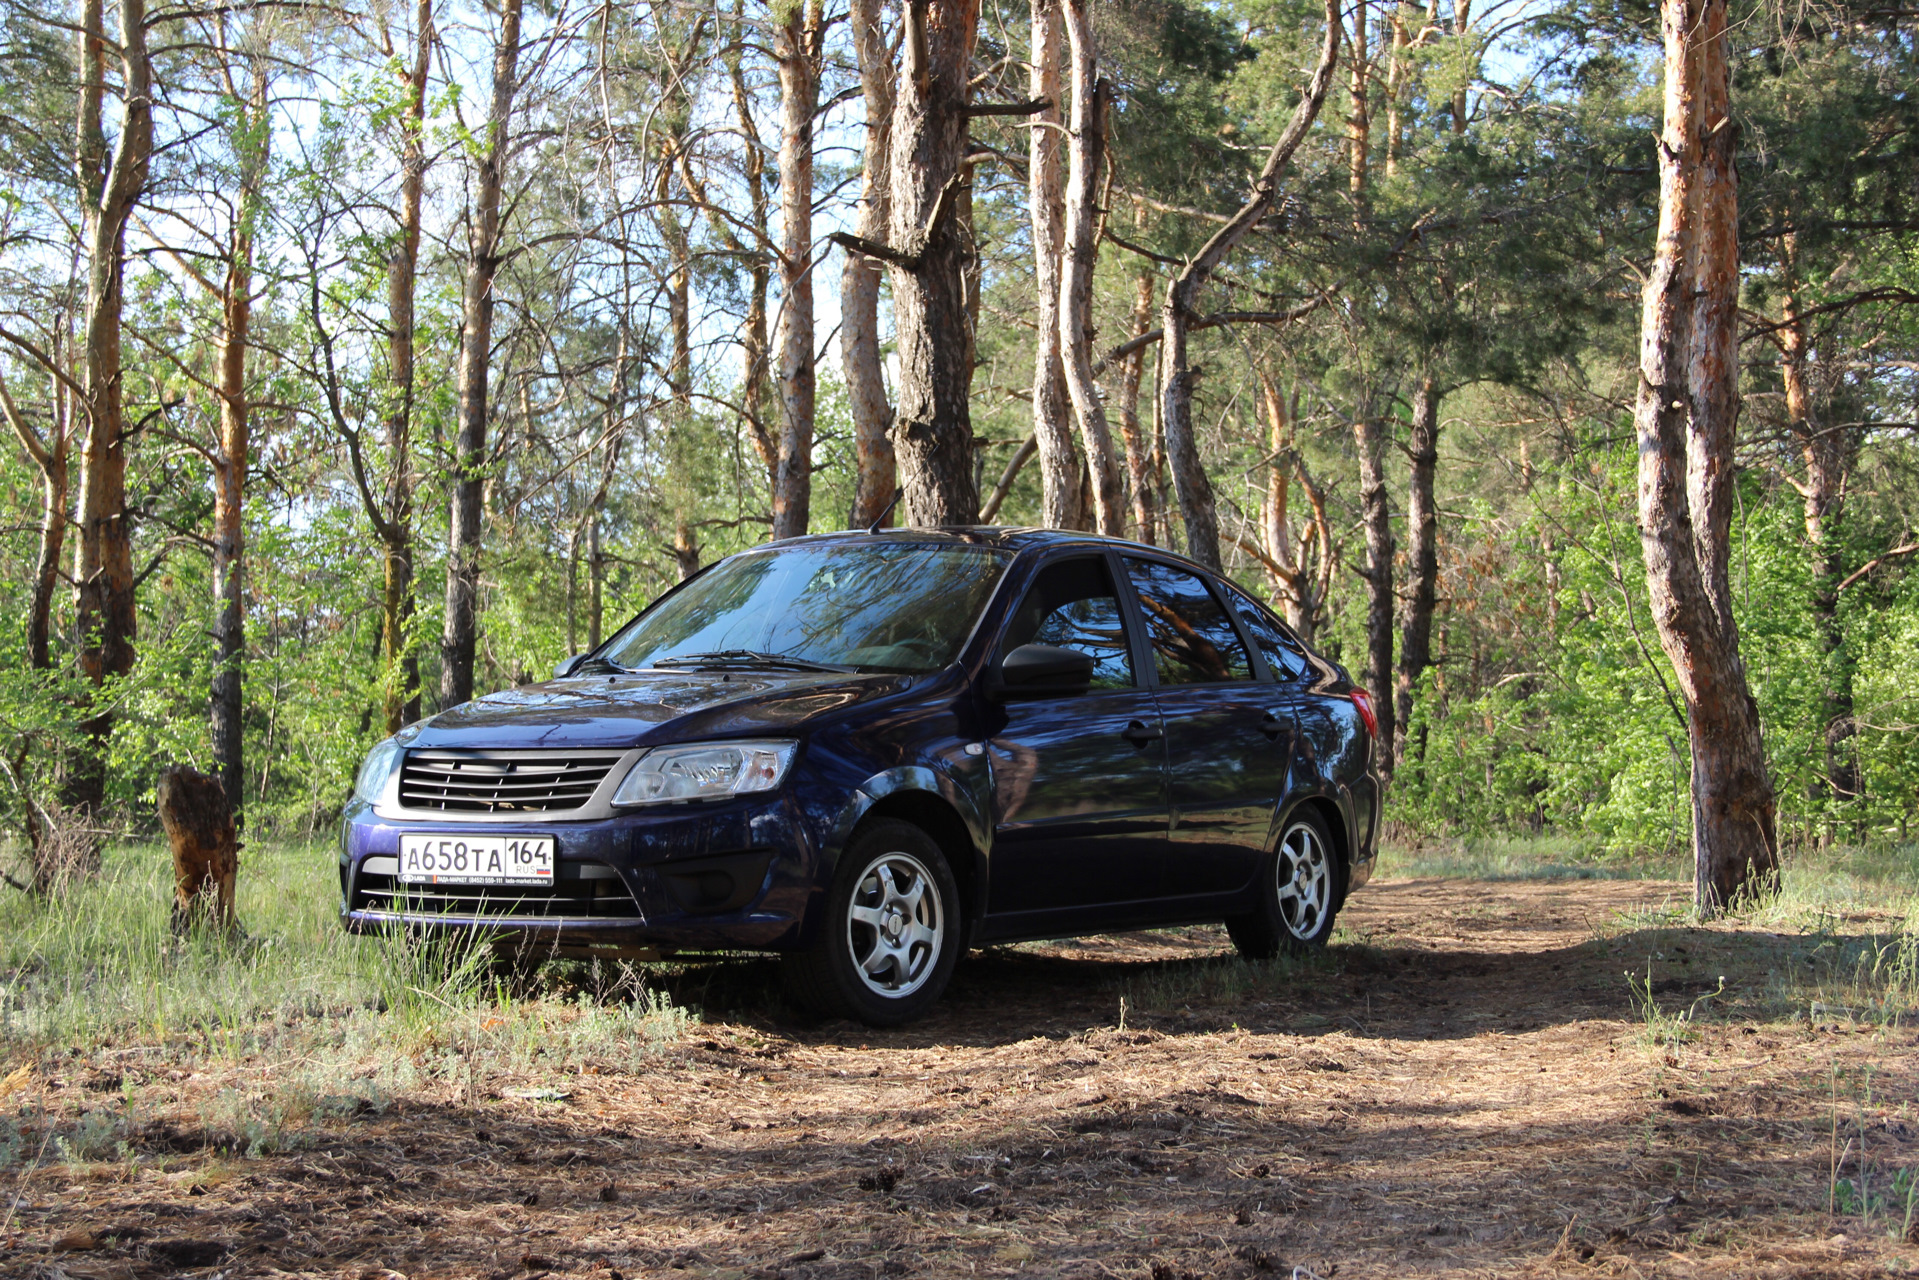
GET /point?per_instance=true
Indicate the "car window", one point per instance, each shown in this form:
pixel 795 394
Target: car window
pixel 875 606
pixel 1281 651
pixel 1072 605
pixel 1193 640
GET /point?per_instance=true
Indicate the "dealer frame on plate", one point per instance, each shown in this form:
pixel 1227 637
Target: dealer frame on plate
pixel 476 858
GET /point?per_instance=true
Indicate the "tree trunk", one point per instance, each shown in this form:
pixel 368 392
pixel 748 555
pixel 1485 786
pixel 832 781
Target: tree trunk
pixel 596 582
pixel 1139 459
pixel 796 49
pixel 933 431
pixel 49 457
pixel 1686 411
pixel 402 684
pixel 1373 436
pixel 464 535
pixel 1087 152
pixel 1422 556
pixel 233 456
pixel 1397 79
pixel 1195 491
pixel 877 472
pixel 756 394
pixel 1462 24
pixel 111 184
pixel 198 821
pixel 1052 431
pixel 1828 456
pixel 1359 121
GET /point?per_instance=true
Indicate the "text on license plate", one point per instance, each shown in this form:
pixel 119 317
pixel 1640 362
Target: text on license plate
pixel 476 859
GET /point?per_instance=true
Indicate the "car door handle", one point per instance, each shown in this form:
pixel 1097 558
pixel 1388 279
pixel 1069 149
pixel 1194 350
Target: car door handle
pixel 1273 725
pixel 1139 733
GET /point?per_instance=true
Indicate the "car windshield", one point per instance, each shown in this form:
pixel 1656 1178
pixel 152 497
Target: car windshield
pixel 881 606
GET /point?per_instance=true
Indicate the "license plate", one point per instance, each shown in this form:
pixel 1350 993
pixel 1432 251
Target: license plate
pixel 476 859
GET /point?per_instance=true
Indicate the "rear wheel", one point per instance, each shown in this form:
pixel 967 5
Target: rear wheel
pixel 1299 894
pixel 891 935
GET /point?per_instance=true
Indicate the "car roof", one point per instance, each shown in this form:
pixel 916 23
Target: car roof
pixel 1009 537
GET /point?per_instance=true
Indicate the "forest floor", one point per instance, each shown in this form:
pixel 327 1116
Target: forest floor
pixel 1468 1082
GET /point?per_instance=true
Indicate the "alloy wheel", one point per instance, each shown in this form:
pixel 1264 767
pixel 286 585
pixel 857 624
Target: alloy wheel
pixel 895 925
pixel 1305 881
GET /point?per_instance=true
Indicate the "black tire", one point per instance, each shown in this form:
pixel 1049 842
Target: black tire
pixel 906 931
pixel 1301 889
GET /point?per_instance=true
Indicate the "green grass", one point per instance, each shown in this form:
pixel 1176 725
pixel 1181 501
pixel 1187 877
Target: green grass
pixel 309 1024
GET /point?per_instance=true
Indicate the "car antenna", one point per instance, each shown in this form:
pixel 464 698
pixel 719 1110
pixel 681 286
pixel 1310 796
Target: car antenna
pixel 875 526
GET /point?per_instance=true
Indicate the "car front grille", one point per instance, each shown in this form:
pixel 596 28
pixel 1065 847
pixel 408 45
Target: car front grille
pixel 502 781
pixel 605 896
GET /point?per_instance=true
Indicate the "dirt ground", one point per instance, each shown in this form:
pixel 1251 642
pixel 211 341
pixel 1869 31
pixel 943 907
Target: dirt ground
pixel 1464 1086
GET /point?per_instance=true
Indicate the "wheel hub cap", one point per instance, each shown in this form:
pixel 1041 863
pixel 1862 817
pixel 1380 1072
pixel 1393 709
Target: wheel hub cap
pixel 895 925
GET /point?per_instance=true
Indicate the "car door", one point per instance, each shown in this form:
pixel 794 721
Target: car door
pixel 1227 744
pixel 1078 782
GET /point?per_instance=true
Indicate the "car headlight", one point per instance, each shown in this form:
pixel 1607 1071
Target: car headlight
pixel 379 766
pixel 707 771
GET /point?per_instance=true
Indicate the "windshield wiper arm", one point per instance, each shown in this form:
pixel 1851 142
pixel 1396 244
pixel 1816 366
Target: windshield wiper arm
pixel 749 658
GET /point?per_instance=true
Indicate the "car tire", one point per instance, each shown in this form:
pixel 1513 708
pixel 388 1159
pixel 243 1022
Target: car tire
pixel 891 935
pixel 1301 889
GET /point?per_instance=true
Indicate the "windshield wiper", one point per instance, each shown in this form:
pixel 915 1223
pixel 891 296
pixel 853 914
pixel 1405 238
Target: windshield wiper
pixel 599 667
pixel 750 658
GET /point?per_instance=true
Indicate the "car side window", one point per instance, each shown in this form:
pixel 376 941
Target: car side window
pixel 1193 640
pixel 1281 651
pixel 1072 605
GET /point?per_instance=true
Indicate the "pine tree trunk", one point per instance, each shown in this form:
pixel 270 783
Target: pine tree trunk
pixel 1685 416
pixel 1139 454
pixel 756 380
pixel 878 473
pixel 933 433
pixel 1397 80
pixel 1052 430
pixel 461 632
pixel 198 820
pixel 111 183
pixel 1422 557
pixel 1373 438
pixel 796 51
pixel 1462 25
pixel 1190 483
pixel 1087 154
pixel 1359 120
pixel 50 458
pixel 402 696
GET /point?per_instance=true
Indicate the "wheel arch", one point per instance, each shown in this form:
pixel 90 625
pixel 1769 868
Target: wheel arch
pixel 1329 812
pixel 937 806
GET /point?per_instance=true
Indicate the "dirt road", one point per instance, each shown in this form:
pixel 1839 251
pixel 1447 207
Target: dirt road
pixel 1464 1086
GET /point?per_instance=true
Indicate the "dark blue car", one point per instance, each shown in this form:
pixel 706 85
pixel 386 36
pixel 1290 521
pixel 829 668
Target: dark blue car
pixel 870 751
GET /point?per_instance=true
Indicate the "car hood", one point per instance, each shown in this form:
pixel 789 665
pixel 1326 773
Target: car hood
pixel 647 707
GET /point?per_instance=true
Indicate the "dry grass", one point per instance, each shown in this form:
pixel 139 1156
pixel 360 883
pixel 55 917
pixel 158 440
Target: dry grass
pixel 1465 1084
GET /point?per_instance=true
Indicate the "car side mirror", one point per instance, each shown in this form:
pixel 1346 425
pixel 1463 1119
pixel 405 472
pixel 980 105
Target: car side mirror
pixel 567 666
pixel 1043 671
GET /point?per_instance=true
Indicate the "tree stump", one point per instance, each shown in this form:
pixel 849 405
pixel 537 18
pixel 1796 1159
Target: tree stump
pixel 206 850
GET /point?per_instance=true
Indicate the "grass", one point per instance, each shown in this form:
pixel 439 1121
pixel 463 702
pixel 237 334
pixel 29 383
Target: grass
pixel 297 1023
pixel 1520 858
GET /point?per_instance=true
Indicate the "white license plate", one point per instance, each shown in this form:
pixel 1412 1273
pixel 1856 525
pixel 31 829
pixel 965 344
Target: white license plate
pixel 476 859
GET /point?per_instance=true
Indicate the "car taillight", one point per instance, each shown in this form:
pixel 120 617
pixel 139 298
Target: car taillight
pixel 1364 701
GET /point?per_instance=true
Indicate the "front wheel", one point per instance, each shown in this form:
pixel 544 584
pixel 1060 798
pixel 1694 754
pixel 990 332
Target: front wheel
pixel 891 935
pixel 1298 897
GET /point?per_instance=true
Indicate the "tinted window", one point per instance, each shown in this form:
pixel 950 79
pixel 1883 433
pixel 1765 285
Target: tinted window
pixel 1072 604
pixel 879 606
pixel 1281 651
pixel 1193 640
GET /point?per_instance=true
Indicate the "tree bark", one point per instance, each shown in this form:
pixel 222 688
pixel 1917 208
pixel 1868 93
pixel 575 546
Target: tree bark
pixel 465 532
pixel 111 182
pixel 796 50
pixel 198 821
pixel 49 456
pixel 1139 461
pixel 1373 436
pixel 1087 152
pixel 1422 558
pixel 1359 120
pixel 931 260
pixel 877 471
pixel 1462 25
pixel 1396 85
pixel 402 684
pixel 233 456
pixel 1300 567
pixel 756 393
pixel 1190 483
pixel 1687 408
pixel 1052 431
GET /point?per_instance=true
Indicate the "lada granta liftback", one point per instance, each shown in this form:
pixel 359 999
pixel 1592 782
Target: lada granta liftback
pixel 869 751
